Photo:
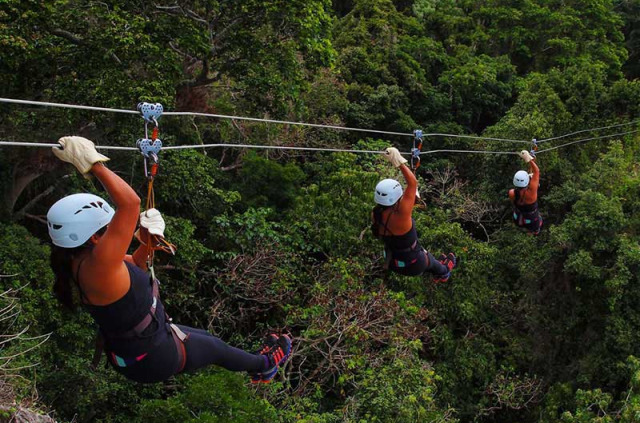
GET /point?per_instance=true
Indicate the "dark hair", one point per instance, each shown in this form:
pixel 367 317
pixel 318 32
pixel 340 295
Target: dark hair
pixel 60 261
pixel 378 209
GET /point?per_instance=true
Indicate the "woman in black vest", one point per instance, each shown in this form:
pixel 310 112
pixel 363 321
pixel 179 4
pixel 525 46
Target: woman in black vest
pixel 394 225
pixel 90 250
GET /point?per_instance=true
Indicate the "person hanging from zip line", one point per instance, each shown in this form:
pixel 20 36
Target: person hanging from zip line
pixel 393 224
pixel 90 251
pixel 524 197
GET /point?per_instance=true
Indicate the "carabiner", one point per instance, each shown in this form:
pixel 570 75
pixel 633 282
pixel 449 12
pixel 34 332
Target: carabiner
pixel 415 151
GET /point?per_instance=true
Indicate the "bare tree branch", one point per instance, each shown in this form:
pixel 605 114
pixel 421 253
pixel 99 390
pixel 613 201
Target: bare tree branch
pixel 37 218
pixel 20 213
pixel 74 39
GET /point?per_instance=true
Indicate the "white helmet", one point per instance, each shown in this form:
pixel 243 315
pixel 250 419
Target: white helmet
pixel 521 179
pixel 388 192
pixel 73 219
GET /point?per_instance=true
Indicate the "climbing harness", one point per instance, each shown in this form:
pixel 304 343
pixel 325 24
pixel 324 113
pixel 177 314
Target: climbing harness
pixel 415 151
pixel 526 215
pixel 178 336
pixel 150 149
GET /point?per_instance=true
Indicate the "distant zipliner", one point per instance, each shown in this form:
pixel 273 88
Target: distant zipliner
pixel 392 222
pixel 524 197
pixel 90 250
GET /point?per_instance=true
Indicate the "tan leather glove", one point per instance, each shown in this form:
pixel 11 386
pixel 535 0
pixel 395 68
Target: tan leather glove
pixel 80 152
pixel 526 156
pixel 152 229
pixel 151 222
pixel 395 158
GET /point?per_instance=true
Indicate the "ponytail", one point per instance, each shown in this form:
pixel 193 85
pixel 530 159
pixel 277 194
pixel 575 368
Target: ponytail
pixel 61 266
pixel 60 260
pixel 377 211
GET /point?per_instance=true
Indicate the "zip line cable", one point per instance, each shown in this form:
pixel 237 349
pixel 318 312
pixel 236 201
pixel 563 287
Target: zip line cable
pixel 333 150
pixel 41 144
pixel 468 151
pixel 588 130
pixel 185 147
pixel 266 147
pixel 274 147
pixel 68 106
pixel 135 112
pixel 588 139
pixel 284 122
pixel 181 147
pixel 476 138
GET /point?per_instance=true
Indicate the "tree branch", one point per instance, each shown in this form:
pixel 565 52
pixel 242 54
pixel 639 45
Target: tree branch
pixel 19 214
pixel 179 11
pixel 68 36
pixel 220 34
pixel 34 217
pixel 236 165
pixel 74 39
pixel 191 59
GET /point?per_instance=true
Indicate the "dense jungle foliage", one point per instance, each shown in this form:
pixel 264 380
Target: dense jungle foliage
pixel 528 329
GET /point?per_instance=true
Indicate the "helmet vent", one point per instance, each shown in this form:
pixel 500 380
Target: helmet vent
pixel 85 207
pixel 74 237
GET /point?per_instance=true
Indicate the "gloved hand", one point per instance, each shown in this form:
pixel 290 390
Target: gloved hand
pixel 395 158
pixel 153 222
pixel 526 156
pixel 152 228
pixel 80 152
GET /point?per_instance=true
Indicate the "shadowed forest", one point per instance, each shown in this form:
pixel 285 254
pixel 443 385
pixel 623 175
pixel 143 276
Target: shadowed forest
pixel 528 329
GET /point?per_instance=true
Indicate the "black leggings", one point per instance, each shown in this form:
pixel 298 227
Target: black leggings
pixel 204 349
pixel 435 266
pixel 532 221
pixel 161 359
pixel 419 263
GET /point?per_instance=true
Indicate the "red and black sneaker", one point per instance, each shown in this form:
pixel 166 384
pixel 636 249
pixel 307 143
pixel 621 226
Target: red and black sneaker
pixel 450 262
pixel 277 349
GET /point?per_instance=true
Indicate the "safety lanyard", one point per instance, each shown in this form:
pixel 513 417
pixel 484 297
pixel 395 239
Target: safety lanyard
pixel 150 148
pixel 415 151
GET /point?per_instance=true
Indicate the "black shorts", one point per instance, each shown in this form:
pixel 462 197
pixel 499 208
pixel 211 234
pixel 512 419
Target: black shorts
pixel 147 360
